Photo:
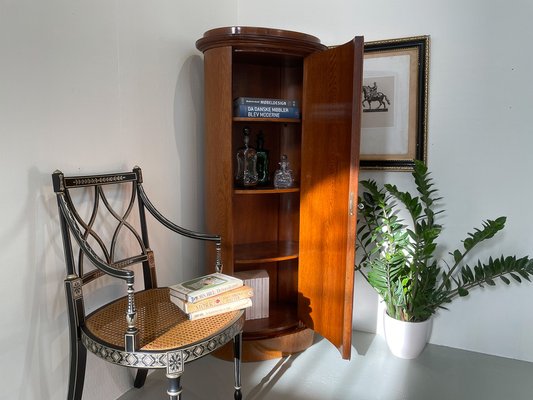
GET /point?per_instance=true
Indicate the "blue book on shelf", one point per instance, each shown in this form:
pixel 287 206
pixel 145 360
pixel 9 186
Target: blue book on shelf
pixel 261 101
pixel 261 111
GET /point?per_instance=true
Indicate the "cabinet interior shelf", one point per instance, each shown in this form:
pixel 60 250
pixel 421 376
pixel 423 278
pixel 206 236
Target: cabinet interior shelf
pixel 281 319
pixel 283 120
pixel 267 190
pixel 252 253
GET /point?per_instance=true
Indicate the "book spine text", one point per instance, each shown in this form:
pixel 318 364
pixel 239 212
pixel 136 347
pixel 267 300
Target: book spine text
pixel 236 305
pixel 260 101
pixel 252 111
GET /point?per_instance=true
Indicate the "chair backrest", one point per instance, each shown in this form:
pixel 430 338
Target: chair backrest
pixel 106 216
pixel 82 202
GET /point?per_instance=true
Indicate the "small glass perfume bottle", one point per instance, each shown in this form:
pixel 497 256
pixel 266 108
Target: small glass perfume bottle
pixel 246 163
pixel 283 177
pixel 262 161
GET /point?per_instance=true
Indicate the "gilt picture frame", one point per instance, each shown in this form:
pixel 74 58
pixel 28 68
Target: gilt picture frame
pixel 395 103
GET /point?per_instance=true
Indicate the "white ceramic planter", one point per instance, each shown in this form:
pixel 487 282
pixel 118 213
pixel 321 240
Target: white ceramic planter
pixel 406 339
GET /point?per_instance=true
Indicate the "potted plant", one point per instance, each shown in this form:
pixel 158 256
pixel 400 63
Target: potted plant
pixel 399 261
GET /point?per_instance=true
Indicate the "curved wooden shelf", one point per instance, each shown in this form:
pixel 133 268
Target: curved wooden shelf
pixel 290 342
pixel 282 318
pixel 279 120
pixel 266 190
pixel 263 252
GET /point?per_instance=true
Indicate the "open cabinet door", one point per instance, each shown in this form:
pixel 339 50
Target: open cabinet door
pixel 328 199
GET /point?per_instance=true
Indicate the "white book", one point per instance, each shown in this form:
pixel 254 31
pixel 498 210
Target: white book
pixel 259 281
pixel 205 286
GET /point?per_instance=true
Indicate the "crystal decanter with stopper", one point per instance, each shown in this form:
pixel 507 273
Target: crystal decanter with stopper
pixel 246 163
pixel 283 177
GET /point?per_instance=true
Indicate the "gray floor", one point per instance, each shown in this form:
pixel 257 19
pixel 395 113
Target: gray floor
pixel 440 373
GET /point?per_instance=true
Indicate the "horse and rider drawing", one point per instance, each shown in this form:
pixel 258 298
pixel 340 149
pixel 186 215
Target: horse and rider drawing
pixel 371 94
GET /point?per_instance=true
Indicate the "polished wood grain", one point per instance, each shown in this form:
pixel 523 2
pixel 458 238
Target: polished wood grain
pixel 282 319
pixel 270 348
pixel 259 39
pixel 254 253
pixel 259 190
pixel 218 153
pixel 256 219
pixel 260 225
pixel 328 183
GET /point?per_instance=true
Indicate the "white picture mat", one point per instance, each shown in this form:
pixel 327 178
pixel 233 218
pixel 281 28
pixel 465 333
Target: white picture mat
pixel 392 139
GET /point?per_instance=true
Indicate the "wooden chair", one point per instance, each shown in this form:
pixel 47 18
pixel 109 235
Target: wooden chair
pixel 143 329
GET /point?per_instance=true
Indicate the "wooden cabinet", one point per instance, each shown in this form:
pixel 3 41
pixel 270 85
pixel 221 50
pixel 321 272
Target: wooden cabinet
pixel 303 236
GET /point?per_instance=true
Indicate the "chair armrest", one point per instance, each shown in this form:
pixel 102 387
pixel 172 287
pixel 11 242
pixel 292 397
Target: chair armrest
pixel 182 231
pixel 171 225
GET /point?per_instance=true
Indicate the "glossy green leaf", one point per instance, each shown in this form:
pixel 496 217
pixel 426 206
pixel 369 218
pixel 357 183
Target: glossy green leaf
pixel 398 234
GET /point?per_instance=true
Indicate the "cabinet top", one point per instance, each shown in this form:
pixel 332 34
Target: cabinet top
pixel 257 39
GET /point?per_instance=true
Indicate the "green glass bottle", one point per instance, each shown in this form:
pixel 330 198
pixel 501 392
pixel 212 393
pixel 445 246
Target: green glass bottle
pixel 263 177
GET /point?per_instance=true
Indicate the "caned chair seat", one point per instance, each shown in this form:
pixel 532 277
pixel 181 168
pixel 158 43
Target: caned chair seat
pixel 162 326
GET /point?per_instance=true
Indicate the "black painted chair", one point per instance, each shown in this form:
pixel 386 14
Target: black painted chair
pixel 142 329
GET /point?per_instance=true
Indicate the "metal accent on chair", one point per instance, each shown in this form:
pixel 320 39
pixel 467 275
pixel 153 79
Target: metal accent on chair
pixel 154 359
pixel 75 287
pixel 130 337
pixel 237 350
pixel 144 329
pixel 174 386
pixel 218 263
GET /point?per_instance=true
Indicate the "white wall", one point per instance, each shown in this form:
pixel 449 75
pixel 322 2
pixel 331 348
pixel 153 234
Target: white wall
pixel 90 86
pixel 479 137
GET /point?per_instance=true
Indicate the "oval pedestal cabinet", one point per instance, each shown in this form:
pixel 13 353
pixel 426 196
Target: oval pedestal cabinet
pixel 308 108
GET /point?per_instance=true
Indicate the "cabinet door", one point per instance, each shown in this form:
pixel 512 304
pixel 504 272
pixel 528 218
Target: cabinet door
pixel 329 178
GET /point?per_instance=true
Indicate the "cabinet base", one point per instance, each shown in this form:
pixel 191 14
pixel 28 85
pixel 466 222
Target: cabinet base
pixel 267 349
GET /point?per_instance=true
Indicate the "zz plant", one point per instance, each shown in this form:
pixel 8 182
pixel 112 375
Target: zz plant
pixel 398 259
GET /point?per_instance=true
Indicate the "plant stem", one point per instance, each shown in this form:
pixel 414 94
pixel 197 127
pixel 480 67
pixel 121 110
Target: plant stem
pixel 452 269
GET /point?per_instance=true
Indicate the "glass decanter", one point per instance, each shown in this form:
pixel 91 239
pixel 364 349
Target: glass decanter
pixel 283 177
pixel 246 163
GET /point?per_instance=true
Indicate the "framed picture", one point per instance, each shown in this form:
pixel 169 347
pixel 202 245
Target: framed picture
pixel 395 103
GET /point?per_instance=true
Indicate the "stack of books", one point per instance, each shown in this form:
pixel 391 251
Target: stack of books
pixel 259 282
pixel 211 295
pixel 258 107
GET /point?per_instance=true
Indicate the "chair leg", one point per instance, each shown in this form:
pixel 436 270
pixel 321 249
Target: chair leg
pixel 78 361
pixel 140 378
pixel 174 386
pixel 237 349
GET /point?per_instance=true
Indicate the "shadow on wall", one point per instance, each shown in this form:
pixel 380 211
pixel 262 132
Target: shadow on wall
pixel 44 320
pixel 43 313
pixel 189 131
pixel 189 138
